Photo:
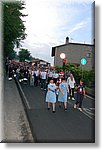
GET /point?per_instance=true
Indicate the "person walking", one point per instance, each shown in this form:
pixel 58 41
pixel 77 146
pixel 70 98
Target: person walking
pixel 26 74
pixel 31 74
pixel 51 95
pixel 63 93
pixel 55 76
pixel 10 72
pixel 7 65
pixel 71 84
pixel 36 77
pixel 80 94
pixel 50 76
pixel 43 75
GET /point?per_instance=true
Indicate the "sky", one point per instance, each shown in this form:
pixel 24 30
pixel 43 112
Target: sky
pixel 49 22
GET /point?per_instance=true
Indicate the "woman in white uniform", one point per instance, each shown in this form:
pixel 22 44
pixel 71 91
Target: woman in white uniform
pixel 51 95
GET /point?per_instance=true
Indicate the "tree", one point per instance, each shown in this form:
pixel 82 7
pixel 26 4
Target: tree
pixel 88 76
pixel 13 26
pixel 13 55
pixel 24 54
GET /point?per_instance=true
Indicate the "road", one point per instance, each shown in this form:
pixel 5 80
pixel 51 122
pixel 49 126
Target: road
pixel 72 126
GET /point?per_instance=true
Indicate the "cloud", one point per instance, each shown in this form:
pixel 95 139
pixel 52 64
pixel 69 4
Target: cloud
pixel 78 26
pixel 50 21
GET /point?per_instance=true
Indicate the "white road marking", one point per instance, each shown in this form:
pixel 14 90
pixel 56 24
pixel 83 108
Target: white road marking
pixel 85 111
pixel 92 108
pixel 90 97
pixel 88 115
pixel 88 111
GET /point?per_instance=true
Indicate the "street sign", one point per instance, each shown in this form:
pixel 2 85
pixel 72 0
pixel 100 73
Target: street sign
pixel 83 61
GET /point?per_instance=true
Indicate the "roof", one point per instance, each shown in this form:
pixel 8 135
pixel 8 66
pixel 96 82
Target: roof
pixel 37 59
pixel 74 44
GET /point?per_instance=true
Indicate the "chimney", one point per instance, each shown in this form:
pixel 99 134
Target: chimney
pixel 67 40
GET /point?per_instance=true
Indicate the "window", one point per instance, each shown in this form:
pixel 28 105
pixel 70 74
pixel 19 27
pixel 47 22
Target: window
pixel 88 55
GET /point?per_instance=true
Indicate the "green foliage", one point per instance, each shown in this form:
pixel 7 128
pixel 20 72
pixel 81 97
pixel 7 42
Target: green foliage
pixel 13 26
pixel 24 54
pixel 88 76
pixel 12 55
pixel 58 69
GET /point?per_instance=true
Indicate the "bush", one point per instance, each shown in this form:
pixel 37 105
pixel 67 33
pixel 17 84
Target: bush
pixel 88 76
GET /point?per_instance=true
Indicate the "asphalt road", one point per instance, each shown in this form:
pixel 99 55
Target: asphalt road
pixel 72 126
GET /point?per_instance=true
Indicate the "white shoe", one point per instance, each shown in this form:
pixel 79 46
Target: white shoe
pixel 10 79
pixel 73 98
pixel 75 105
pixel 80 109
pixel 69 97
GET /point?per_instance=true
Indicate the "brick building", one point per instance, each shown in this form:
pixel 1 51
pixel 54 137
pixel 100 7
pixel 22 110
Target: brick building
pixel 74 53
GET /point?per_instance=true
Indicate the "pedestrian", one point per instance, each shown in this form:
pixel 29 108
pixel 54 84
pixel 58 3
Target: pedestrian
pixel 43 75
pixel 17 73
pixel 36 77
pixel 7 65
pixel 31 74
pixel 51 95
pixel 80 94
pixel 10 72
pixel 55 76
pixel 50 76
pixel 71 84
pixel 21 74
pixel 26 74
pixel 63 93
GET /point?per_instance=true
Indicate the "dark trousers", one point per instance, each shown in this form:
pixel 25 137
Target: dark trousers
pixel 71 92
pixel 6 69
pixel 43 83
pixel 36 80
pixel 49 78
pixel 79 99
pixel 55 80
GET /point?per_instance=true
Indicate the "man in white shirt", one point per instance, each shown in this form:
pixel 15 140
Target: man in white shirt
pixel 36 77
pixel 55 77
pixel 43 79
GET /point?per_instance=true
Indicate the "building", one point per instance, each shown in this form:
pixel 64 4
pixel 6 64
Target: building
pixel 74 53
pixel 40 63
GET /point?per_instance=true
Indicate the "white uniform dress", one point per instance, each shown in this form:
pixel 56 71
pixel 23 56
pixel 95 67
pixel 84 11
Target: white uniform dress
pixel 51 95
pixel 64 88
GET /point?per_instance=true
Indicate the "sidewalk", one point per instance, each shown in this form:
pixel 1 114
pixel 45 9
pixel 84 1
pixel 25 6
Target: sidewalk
pixel 16 126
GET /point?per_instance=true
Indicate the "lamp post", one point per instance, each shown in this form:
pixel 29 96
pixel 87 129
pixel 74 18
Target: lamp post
pixel 63 56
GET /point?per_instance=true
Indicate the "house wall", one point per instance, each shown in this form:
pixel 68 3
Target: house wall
pixel 74 54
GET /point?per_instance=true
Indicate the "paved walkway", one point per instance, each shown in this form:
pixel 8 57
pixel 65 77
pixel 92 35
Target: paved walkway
pixel 16 126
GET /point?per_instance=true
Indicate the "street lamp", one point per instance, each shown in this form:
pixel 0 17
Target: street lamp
pixel 63 56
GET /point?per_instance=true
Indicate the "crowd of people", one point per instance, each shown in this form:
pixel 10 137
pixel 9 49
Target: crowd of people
pixel 58 86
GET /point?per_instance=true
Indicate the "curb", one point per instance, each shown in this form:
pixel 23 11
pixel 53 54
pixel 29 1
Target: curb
pixel 26 108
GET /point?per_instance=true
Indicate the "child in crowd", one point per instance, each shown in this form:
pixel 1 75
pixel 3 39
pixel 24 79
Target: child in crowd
pixel 51 95
pixel 63 92
pixel 80 95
